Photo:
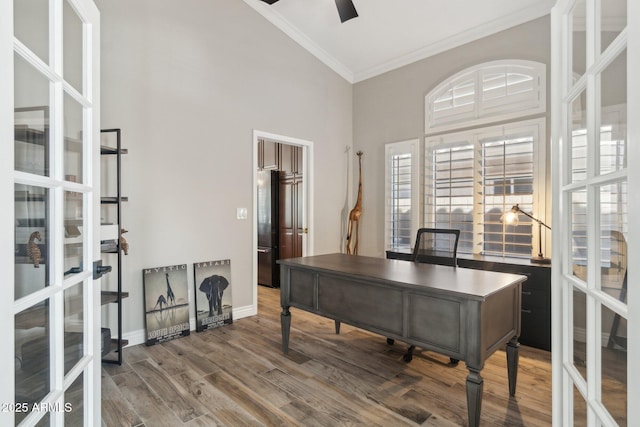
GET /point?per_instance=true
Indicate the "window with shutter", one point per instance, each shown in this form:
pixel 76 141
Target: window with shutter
pixel 486 93
pixel 473 177
pixel 401 216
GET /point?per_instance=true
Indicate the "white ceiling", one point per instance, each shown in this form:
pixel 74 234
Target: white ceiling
pixel 388 34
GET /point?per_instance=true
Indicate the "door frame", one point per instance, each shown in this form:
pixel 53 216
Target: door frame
pixel 562 316
pixel 307 196
pixel 89 365
pixel 7 320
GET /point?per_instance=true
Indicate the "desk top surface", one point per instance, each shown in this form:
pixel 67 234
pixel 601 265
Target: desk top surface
pixel 477 284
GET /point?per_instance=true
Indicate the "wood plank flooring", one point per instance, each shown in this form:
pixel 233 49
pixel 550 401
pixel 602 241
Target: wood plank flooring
pixel 237 375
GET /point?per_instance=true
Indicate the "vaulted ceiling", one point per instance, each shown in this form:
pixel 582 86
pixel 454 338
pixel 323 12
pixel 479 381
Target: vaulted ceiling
pixel 388 34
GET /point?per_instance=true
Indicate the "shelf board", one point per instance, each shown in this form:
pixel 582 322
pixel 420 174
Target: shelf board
pixel 112 200
pixel 29 135
pixel 113 349
pixel 108 297
pixel 111 150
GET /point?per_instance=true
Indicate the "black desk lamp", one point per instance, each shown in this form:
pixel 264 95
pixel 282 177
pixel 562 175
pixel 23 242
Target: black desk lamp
pixel 511 217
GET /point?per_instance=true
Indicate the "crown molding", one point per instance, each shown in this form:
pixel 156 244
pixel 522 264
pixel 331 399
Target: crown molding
pixel 283 25
pixel 478 32
pixel 538 10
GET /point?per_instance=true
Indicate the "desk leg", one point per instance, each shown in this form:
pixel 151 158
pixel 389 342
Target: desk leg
pixel 285 322
pixel 512 364
pixel 337 327
pixel 474 397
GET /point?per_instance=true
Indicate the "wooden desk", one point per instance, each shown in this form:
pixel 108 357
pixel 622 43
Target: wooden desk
pixel 463 313
pixel 535 324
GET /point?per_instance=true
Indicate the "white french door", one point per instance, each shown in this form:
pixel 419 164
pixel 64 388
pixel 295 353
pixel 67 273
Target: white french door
pixel 49 117
pixel 595 130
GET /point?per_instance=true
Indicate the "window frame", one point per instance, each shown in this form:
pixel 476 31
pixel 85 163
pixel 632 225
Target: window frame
pixel 473 137
pixel 411 147
pixel 476 111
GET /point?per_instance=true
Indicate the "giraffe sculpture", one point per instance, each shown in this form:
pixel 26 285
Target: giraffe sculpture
pixel 123 242
pixel 33 251
pixel 355 213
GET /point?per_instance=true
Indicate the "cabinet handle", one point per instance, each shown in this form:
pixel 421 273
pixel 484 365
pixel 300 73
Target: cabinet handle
pixel 525 311
pixel 526 292
pixel 525 274
pixel 263 251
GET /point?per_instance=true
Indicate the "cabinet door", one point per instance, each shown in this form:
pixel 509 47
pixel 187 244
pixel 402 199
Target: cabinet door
pixel 291 208
pixel 291 159
pixel 270 155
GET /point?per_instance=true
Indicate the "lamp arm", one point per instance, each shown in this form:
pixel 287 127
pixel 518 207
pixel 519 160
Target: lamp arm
pixel 532 217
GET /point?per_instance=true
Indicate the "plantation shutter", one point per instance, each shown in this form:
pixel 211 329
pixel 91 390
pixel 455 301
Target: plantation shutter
pixel 401 219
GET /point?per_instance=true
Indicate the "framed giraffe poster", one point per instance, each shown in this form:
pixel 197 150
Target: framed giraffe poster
pixel 212 280
pixel 166 300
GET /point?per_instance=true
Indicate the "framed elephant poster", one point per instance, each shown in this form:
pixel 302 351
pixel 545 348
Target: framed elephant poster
pixel 212 280
pixel 166 300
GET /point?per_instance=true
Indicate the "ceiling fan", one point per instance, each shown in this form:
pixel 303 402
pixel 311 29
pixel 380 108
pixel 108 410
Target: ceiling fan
pixel 346 9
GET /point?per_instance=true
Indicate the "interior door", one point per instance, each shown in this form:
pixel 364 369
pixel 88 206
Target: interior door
pixel 52 110
pixel 594 333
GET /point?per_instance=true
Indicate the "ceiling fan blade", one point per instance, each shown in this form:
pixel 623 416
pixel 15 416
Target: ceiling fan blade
pixel 270 1
pixel 346 10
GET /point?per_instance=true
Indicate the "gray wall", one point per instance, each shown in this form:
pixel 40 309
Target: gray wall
pixel 390 108
pixel 187 82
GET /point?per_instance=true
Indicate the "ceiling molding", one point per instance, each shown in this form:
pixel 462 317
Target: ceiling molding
pixel 283 25
pixel 495 26
pixel 538 10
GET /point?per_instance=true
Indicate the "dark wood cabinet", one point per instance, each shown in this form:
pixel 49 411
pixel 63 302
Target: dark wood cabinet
pixel 268 155
pixel 290 217
pixel 536 292
pixel 291 159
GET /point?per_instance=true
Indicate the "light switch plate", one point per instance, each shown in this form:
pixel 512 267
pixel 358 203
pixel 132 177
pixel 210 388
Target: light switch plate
pixel 241 213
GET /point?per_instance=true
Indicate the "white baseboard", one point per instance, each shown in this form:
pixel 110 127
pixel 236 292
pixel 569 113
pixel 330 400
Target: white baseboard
pixel 139 336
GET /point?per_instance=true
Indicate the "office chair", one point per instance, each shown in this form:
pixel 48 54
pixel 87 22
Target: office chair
pixel 434 246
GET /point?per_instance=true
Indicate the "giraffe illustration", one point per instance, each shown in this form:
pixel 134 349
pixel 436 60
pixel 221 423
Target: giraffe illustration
pixel 33 251
pixel 356 212
pixel 170 296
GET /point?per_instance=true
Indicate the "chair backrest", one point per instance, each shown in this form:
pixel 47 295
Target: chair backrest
pixel 436 246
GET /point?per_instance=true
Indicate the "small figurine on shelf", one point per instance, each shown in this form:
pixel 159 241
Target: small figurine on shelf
pixel 123 242
pixel 33 251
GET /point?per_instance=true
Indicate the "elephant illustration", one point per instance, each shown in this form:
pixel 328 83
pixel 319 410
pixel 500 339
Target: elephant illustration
pixel 213 287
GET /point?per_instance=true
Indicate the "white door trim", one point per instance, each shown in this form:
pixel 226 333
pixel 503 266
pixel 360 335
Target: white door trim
pixel 307 212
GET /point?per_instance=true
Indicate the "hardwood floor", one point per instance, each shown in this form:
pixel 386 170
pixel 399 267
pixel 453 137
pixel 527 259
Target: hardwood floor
pixel 237 375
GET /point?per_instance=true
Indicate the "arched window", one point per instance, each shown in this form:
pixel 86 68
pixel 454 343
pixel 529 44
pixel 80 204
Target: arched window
pixel 484 153
pixel 490 92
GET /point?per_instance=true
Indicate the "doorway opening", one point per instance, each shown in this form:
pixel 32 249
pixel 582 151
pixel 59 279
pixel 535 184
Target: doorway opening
pixel 282 204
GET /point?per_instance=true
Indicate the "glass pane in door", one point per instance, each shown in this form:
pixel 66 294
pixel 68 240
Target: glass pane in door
pixel 613 112
pixel 31 116
pixel 579 234
pixel 31 239
pixel 579 409
pixel 579 37
pixel 74 403
pixel 578 142
pixel 580 332
pixel 73 134
pixel 614 365
pixel 32 356
pixel 612 20
pixel 73 326
pixel 74 238
pixel 613 243
pixel 31 25
pixel 72 49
